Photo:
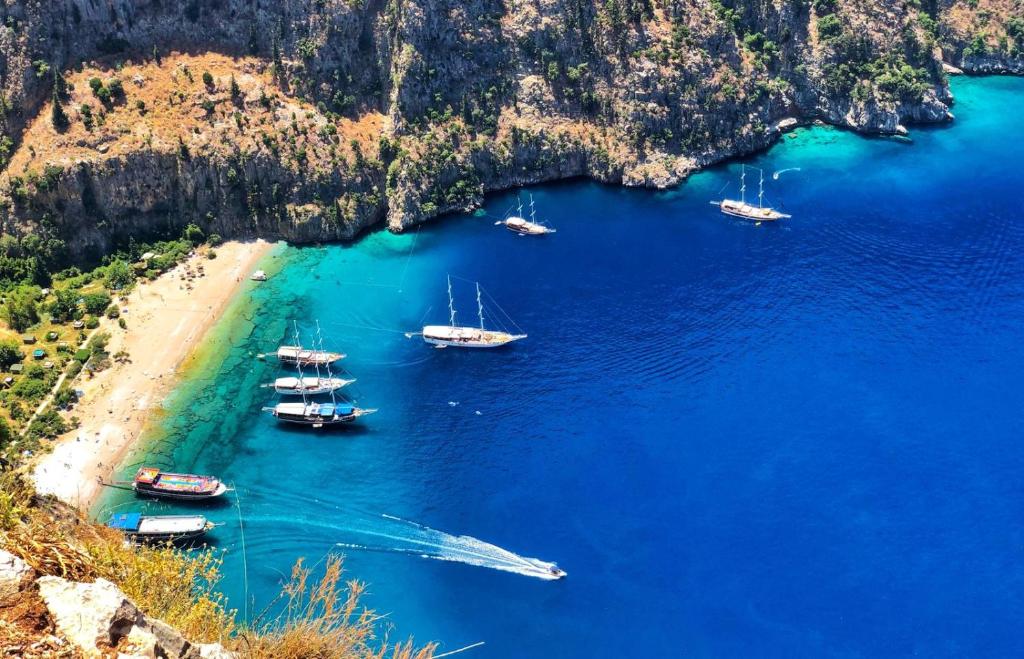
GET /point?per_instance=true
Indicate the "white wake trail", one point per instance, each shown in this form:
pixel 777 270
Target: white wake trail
pixel 408 537
pixel 779 173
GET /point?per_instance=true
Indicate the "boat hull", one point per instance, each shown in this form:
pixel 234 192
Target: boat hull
pixel 467 337
pixel 528 228
pixel 317 415
pixel 156 493
pixel 309 386
pixel 746 211
pixel 295 356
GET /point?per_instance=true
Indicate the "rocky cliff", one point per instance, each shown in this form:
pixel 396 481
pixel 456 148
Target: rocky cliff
pixel 311 120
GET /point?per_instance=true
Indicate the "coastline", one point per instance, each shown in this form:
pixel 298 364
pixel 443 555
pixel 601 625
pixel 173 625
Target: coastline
pixel 166 322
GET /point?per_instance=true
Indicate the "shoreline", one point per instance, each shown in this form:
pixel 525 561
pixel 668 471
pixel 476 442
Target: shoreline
pixel 166 322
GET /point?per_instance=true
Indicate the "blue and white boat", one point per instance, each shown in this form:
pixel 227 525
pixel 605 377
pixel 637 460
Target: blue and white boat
pixel 311 413
pixel 160 528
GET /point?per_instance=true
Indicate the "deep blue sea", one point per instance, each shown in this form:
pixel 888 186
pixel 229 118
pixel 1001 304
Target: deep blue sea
pixel 787 441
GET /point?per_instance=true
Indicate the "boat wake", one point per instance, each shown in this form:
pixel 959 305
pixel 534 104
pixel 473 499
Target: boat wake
pixel 401 536
pixel 413 538
pixel 779 173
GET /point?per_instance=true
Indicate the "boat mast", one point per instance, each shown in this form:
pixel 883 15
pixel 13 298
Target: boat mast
pixel 519 198
pixel 451 303
pixel 298 362
pixel 743 184
pixel 760 190
pixel 327 365
pixel 533 211
pixel 479 305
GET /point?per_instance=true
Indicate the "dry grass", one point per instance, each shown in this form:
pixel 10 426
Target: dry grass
pixel 174 107
pixel 323 619
pixel 319 618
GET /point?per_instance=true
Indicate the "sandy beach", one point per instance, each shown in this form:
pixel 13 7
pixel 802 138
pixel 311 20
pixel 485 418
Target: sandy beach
pixel 165 322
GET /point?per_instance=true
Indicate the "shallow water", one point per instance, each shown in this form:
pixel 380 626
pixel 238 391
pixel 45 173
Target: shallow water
pixel 793 440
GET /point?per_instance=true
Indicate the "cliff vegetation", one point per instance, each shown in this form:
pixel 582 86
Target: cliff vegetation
pixel 312 120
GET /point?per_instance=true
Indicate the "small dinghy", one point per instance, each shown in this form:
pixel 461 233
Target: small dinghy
pixel 259 275
pixel 160 528
pixel 317 415
pixel 309 386
pixel 299 356
pixel 151 482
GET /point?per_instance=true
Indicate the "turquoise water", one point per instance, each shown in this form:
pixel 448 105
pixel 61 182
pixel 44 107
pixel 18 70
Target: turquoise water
pixel 793 440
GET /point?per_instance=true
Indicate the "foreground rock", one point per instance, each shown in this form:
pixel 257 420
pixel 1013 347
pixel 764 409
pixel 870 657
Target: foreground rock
pixel 15 576
pixel 97 617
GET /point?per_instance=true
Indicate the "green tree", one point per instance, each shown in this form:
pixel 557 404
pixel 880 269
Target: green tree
pixel 96 303
pixel 57 114
pixel 119 275
pixel 20 310
pixel 194 234
pixel 10 353
pixel 6 434
pixel 64 306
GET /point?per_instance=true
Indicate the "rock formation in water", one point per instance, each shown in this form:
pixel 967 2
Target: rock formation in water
pixel 312 119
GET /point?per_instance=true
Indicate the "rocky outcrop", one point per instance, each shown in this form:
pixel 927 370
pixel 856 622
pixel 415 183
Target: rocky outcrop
pixel 982 36
pixel 15 576
pixel 98 617
pixel 447 99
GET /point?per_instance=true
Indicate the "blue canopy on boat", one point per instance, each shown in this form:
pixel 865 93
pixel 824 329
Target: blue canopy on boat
pixel 340 410
pixel 125 521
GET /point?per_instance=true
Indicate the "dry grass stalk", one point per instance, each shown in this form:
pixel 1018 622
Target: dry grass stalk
pixel 320 619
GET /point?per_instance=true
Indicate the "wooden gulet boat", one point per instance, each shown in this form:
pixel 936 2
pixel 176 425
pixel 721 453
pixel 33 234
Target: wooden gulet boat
pixel 298 356
pixel 454 336
pixel 160 528
pixel 311 386
pixel 151 482
pixel 742 209
pixel 315 414
pixel 524 227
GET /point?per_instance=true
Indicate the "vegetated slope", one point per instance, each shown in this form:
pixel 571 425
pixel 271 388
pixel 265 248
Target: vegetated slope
pixel 983 36
pixel 446 99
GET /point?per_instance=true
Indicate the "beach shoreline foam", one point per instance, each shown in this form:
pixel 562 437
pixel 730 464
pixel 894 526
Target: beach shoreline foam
pixel 166 322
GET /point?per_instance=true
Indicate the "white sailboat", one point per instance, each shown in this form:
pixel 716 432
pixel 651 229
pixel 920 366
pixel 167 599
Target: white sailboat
pixel 315 414
pixel 742 209
pixel 452 335
pixel 525 227
pixel 296 386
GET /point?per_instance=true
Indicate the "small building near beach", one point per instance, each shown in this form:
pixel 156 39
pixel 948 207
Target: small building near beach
pixel 38 353
pixel 28 338
pixel 17 369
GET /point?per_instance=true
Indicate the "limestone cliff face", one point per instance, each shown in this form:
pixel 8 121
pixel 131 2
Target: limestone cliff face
pixel 983 36
pixel 344 113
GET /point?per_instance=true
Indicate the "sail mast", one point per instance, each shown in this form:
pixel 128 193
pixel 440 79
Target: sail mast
pixel 327 365
pixel 760 190
pixel 451 303
pixel 533 211
pixel 298 361
pixel 479 305
pixel 519 198
pixel 743 183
